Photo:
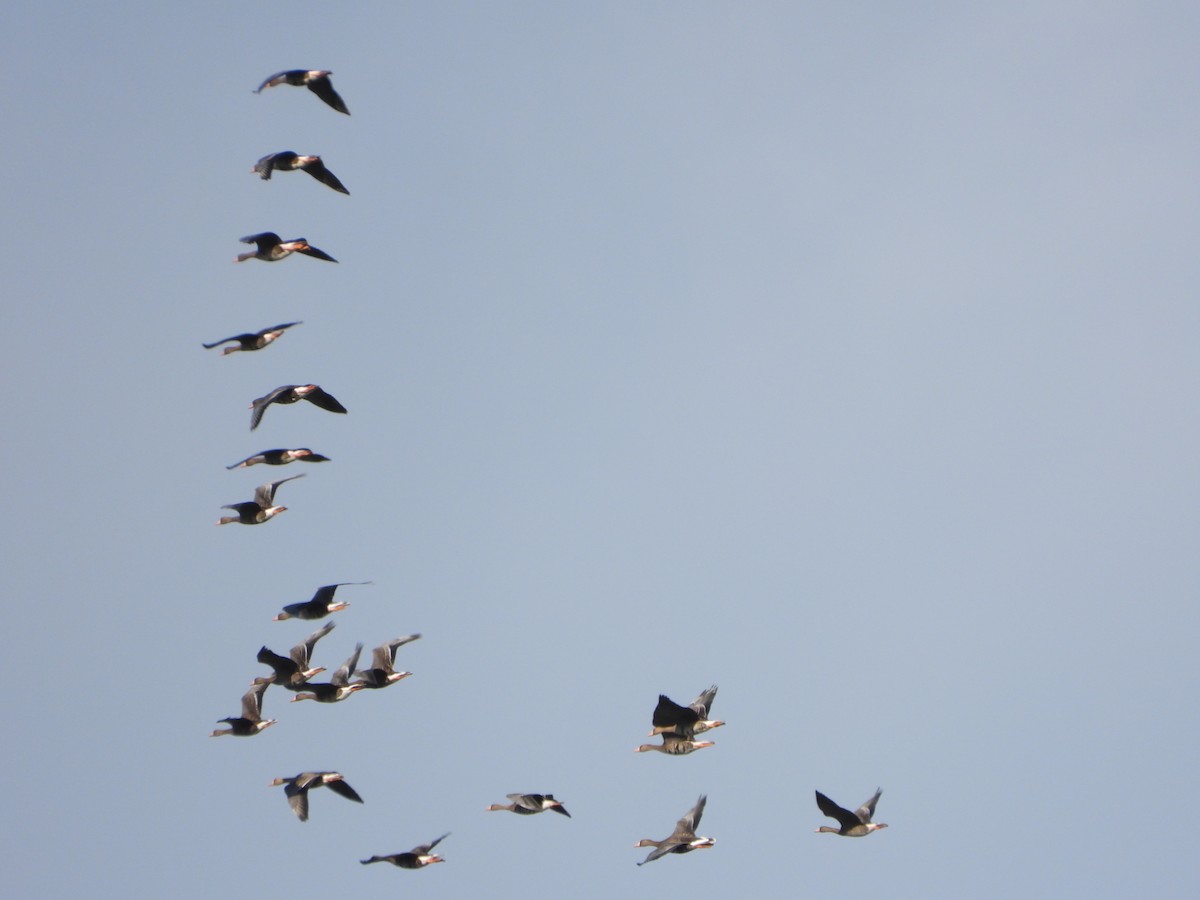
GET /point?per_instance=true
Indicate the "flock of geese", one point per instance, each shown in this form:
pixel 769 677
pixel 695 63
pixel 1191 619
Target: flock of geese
pixel 678 725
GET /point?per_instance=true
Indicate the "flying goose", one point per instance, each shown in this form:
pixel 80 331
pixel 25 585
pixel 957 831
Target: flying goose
pixel 272 248
pixel 530 804
pixel 299 785
pixel 321 604
pixel 292 671
pixel 290 161
pixel 250 722
pixel 851 824
pixel 416 858
pixel 675 745
pixel 260 509
pixel 683 839
pixel 255 341
pixel 685 721
pixel 293 393
pixel 279 457
pixel 383 661
pixel 338 687
pixel 316 80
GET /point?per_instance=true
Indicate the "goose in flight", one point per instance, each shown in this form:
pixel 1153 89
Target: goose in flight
pixel 271 248
pixel 316 80
pixel 261 508
pixel 290 161
pixel 850 824
pixel 683 839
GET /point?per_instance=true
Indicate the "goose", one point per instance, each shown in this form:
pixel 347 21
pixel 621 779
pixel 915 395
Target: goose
pixel 272 248
pixel 279 457
pixel 851 824
pixel 298 786
pixel 316 80
pixel 338 687
pixel 383 659
pixel 416 858
pixel 290 161
pixel 675 745
pixel 255 341
pixel 530 804
pixel 293 670
pixel 321 604
pixel 250 722
pixel 261 508
pixel 683 839
pixel 293 393
pixel 685 721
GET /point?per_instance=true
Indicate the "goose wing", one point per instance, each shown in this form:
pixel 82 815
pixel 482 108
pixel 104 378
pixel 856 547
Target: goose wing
pixel 844 817
pixel 318 170
pixel 325 400
pixel 323 88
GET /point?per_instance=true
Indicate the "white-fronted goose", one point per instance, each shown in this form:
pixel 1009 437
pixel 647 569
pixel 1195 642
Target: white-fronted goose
pixel 685 721
pixel 675 745
pixel 272 248
pixel 293 393
pixel 416 858
pixel 316 80
pixel 321 604
pixel 255 341
pixel 850 824
pixel 338 687
pixel 261 508
pixel 298 787
pixel 683 839
pixel 250 722
pixel 289 161
pixel 530 804
pixel 383 661
pixel 293 670
pixel 279 457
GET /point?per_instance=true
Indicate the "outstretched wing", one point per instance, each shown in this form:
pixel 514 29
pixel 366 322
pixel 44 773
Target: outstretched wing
pixel 425 848
pixel 691 821
pixel 310 250
pixel 318 171
pixel 264 494
pixel 325 400
pixel 866 812
pixel 344 790
pixel 323 88
pixel 279 78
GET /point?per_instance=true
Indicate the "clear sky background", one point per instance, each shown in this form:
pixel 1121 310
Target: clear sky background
pixel 843 355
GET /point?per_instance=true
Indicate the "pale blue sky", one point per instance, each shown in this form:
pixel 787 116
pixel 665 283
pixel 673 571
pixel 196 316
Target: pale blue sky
pixel 843 355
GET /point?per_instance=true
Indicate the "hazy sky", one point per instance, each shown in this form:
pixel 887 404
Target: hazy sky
pixel 843 355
